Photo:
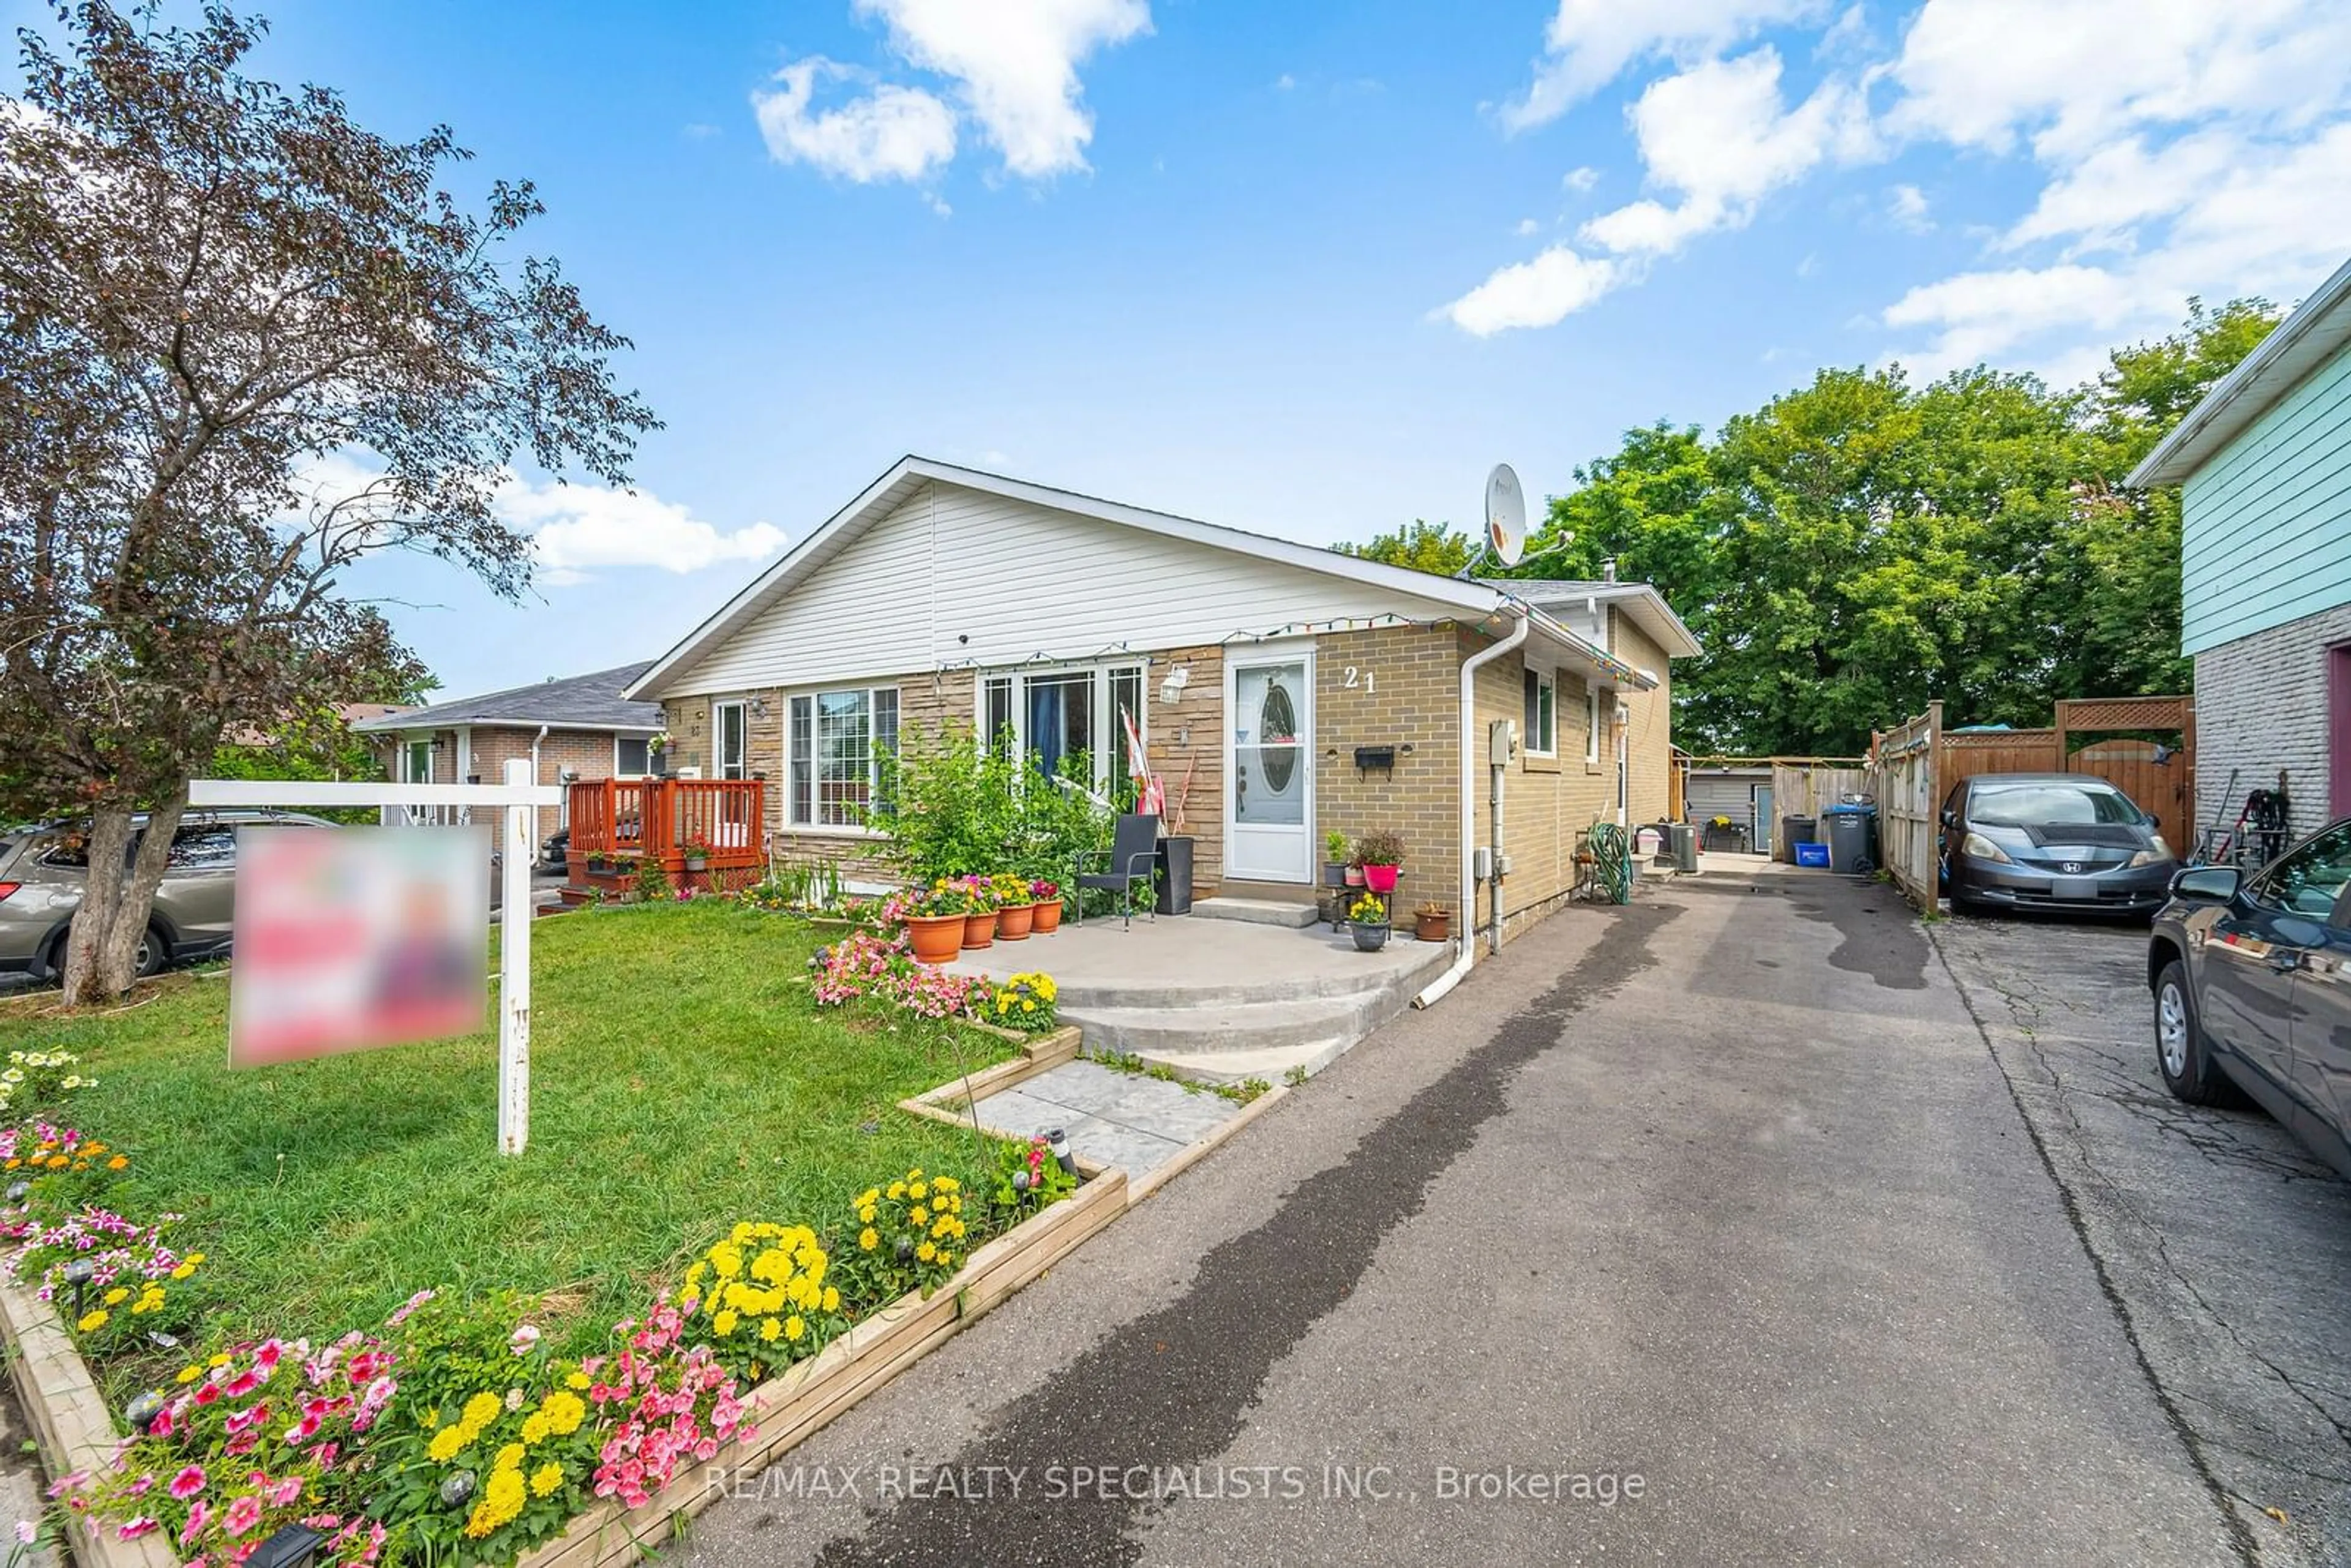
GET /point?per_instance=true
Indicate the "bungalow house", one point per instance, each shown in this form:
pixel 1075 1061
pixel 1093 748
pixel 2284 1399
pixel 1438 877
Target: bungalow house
pixel 2263 464
pixel 579 726
pixel 1280 692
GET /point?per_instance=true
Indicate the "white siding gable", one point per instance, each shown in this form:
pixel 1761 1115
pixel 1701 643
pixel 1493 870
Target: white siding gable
pixel 953 576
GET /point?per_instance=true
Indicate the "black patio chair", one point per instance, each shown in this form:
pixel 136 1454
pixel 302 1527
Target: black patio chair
pixel 1133 851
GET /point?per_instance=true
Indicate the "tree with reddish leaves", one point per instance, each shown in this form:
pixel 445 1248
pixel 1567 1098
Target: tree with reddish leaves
pixel 245 343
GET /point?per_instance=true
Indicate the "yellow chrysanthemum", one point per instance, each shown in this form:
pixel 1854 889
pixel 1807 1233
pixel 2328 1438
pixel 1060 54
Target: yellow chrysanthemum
pixel 867 1240
pixel 479 1412
pixel 446 1445
pixel 769 1329
pixel 565 1411
pixel 831 1300
pixel 190 1374
pixel 93 1320
pixel 724 1323
pixel 926 1251
pixel 793 1327
pixel 510 1458
pixel 580 1380
pixel 116 1296
pixel 535 1428
pixel 865 1214
pixel 546 1478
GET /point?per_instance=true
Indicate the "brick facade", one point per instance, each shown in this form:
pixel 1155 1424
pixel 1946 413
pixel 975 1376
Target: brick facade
pixel 2261 705
pixel 1405 694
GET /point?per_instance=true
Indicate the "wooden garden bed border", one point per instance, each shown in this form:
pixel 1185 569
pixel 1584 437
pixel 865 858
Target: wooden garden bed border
pixel 75 1431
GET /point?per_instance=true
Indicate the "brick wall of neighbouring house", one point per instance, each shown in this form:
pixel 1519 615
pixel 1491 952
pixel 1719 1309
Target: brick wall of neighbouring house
pixel 587 752
pixel 2261 705
pixel 1405 693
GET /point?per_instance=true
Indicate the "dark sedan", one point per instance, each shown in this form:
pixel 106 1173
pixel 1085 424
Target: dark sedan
pixel 2252 975
pixel 2065 842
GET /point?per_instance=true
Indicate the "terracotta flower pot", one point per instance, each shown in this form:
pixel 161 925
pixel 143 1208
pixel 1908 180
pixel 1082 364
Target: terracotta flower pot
pixel 1012 920
pixel 1049 916
pixel 980 930
pixel 1433 927
pixel 1382 878
pixel 937 938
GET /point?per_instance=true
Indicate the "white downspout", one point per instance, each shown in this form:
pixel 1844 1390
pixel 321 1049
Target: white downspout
pixel 1465 948
pixel 537 838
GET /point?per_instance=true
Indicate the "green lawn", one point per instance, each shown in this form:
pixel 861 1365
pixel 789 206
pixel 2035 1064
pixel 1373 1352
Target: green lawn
pixel 680 1080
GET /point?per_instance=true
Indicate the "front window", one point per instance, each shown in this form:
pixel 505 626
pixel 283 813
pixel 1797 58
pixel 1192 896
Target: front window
pixel 837 740
pixel 1056 718
pixel 2045 805
pixel 632 757
pixel 1541 713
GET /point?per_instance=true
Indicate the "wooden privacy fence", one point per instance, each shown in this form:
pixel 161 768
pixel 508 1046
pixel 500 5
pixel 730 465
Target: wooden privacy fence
pixel 1909 829
pixel 1805 786
pixel 1919 763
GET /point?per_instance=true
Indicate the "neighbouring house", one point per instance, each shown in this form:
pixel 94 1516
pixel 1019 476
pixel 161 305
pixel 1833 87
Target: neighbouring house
pixel 1281 692
pixel 576 727
pixel 2263 464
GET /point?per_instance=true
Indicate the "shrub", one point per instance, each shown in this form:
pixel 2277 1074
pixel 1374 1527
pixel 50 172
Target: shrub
pixel 1382 848
pixel 954 808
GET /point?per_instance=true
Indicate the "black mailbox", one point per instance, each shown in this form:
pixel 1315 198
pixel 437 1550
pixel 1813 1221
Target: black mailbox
pixel 1368 758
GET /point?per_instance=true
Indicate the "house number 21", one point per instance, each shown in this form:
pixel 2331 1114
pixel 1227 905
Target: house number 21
pixel 1366 679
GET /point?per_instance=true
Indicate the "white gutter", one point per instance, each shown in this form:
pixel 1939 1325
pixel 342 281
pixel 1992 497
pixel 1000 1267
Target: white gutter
pixel 1465 946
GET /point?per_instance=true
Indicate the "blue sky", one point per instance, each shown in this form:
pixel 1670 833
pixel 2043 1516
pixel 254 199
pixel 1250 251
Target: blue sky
pixel 1305 268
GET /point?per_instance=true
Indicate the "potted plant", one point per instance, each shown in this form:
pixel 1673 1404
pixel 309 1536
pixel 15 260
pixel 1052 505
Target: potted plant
pixel 1016 909
pixel 1367 917
pixel 934 923
pixel 979 911
pixel 1432 922
pixel 697 855
pixel 1382 854
pixel 1351 874
pixel 657 748
pixel 1334 859
pixel 1047 897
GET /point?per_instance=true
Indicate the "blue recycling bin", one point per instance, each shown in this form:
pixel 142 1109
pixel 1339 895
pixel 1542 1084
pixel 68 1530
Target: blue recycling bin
pixel 1851 832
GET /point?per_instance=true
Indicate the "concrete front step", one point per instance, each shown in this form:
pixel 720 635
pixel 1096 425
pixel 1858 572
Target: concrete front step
pixel 1255 911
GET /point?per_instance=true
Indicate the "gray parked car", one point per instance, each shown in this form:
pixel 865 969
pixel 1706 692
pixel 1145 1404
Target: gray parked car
pixel 2064 841
pixel 43 873
pixel 2247 972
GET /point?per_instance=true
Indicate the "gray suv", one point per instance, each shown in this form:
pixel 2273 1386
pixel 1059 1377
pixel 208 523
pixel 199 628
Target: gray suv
pixel 43 870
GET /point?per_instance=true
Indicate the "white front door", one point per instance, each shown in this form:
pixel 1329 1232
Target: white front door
pixel 1269 764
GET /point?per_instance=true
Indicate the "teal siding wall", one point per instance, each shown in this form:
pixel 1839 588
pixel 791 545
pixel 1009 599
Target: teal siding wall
pixel 2266 529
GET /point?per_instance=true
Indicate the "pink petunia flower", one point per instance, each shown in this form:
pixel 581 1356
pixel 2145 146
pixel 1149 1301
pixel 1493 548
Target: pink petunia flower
pixel 132 1528
pixel 188 1482
pixel 242 1515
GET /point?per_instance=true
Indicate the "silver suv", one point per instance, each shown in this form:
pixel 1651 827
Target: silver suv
pixel 43 872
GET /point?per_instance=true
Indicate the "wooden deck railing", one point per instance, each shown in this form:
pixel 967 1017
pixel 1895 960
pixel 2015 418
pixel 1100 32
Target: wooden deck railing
pixel 721 818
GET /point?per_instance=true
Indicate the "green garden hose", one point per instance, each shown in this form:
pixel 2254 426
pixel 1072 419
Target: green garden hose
pixel 1612 863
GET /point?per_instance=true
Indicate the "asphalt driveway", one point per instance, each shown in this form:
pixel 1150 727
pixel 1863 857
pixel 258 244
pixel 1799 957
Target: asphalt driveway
pixel 1704 1230
pixel 2227 1249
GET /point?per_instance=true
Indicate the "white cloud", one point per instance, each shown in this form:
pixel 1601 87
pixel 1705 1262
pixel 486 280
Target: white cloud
pixel 1528 227
pixel 1580 179
pixel 2072 74
pixel 1014 64
pixel 575 528
pixel 891 133
pixel 1538 293
pixel 2098 202
pixel 1907 205
pixel 1589 42
pixel 1720 136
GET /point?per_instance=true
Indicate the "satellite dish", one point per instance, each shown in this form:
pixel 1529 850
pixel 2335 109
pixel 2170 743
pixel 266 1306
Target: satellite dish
pixel 1506 516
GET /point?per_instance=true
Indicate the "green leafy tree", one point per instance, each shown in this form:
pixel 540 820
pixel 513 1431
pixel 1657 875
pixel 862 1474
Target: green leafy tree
pixel 216 294
pixel 1861 546
pixel 1421 546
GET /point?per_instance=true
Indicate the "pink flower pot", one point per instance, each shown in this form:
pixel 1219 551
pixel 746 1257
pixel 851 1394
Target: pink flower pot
pixel 1382 878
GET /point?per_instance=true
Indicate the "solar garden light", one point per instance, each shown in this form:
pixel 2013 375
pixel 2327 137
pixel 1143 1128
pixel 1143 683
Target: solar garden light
pixel 18 1191
pixel 143 1408
pixel 1058 1142
pixel 454 1491
pixel 293 1546
pixel 78 1274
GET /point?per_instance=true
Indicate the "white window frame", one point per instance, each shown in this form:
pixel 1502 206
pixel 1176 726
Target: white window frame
pixel 622 772
pixel 1103 677
pixel 793 755
pixel 1546 685
pixel 1592 726
pixel 741 767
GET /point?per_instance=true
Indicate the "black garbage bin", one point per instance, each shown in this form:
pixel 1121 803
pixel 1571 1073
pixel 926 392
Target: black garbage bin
pixel 1794 831
pixel 1175 867
pixel 1852 834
